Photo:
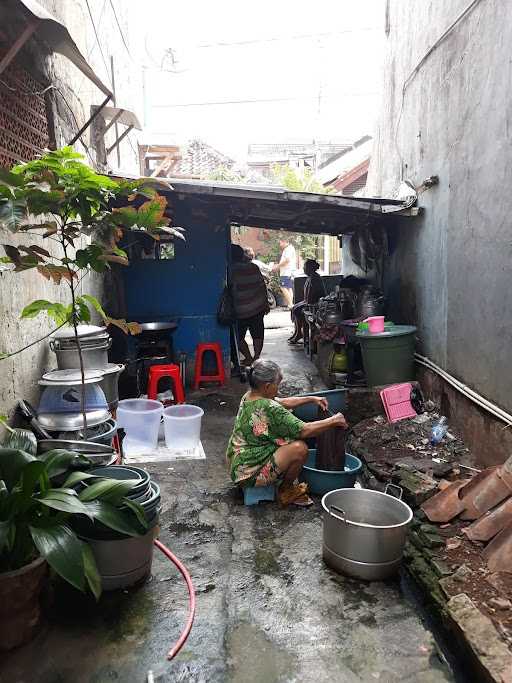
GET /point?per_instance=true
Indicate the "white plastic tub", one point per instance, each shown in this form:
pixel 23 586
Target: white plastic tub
pixel 182 425
pixel 140 418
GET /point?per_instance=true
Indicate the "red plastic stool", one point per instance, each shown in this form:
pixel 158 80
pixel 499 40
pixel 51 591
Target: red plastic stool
pixel 220 376
pixel 156 372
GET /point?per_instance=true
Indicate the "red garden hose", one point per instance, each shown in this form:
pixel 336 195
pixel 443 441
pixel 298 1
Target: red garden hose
pixel 192 600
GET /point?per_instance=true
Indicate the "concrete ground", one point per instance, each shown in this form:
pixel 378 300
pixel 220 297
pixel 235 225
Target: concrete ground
pixel 268 610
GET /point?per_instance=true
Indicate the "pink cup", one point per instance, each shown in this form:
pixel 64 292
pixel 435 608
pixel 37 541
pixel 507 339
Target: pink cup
pixel 375 324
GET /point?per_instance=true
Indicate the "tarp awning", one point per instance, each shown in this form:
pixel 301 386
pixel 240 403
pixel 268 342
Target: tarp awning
pixel 58 38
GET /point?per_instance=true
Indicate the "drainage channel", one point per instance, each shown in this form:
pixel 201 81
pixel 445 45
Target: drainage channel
pixel 414 594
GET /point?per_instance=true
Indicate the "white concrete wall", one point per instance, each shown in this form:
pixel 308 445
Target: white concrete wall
pixel 19 375
pixel 452 267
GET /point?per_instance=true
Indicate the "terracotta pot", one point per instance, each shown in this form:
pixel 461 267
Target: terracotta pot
pixel 20 611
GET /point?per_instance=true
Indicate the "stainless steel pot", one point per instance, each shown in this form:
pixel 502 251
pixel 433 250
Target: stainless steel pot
pixel 110 383
pixel 363 527
pixel 95 355
pixel 68 422
pixel 124 561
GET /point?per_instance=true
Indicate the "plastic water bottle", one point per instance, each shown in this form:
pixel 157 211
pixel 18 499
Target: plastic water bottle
pixel 439 430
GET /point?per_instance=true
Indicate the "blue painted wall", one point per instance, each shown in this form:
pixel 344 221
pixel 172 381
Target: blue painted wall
pixel 187 288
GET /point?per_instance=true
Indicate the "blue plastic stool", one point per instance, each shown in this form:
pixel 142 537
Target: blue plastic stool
pixel 253 494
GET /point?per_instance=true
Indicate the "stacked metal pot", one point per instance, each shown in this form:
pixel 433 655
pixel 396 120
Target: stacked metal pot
pixel 60 409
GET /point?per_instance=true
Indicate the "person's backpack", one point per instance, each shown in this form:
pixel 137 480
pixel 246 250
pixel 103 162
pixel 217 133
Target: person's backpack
pixel 226 310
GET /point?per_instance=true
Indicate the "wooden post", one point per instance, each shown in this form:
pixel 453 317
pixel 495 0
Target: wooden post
pixel 118 140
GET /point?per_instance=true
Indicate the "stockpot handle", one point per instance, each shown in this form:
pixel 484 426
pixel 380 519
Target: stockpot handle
pixel 52 344
pixel 397 488
pixel 341 519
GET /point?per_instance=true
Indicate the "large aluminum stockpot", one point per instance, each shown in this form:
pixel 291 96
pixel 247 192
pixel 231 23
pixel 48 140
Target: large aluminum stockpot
pixel 95 355
pixel 94 343
pixel 110 383
pixel 364 527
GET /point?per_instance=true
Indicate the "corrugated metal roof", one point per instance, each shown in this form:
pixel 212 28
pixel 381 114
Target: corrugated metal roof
pixel 345 163
pixel 275 207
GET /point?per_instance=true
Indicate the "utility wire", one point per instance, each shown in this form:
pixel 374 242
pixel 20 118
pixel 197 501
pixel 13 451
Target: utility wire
pixel 120 29
pixel 277 39
pixel 97 37
pixel 262 100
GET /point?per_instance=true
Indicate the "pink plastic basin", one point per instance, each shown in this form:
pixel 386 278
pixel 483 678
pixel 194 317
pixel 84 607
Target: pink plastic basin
pixel 375 324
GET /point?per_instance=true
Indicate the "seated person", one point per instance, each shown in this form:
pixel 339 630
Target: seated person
pixel 314 290
pixel 267 444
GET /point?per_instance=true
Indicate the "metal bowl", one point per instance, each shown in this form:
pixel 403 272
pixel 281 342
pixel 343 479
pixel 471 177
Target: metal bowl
pixel 84 447
pixel 71 422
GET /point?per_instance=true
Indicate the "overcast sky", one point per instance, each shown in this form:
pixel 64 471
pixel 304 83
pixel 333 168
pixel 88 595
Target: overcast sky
pixel 233 72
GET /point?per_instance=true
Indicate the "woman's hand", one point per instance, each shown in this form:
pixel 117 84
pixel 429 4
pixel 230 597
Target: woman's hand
pixel 338 420
pixel 320 401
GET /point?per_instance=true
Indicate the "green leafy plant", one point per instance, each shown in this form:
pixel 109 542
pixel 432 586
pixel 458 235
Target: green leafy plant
pixel 62 200
pixel 36 514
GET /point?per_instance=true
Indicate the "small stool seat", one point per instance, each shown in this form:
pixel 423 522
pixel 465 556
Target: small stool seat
pixel 253 494
pixel 158 372
pixel 219 375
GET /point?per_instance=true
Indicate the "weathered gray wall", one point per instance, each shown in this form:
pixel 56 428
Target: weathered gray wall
pixel 19 375
pixel 452 266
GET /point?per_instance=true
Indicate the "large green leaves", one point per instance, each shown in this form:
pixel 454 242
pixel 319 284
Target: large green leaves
pixel 59 461
pixel 22 440
pixel 113 518
pixel 91 571
pixel 65 500
pixel 110 490
pixel 59 545
pixel 12 463
pixel 12 214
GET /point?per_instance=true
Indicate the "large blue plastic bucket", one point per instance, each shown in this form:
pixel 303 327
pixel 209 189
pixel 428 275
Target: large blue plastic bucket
pixel 322 481
pixel 335 397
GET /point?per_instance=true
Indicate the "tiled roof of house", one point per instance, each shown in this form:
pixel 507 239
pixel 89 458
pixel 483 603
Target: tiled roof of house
pixel 199 159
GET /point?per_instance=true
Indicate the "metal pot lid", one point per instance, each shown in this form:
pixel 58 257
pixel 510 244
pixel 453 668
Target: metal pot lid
pixel 70 377
pixel 86 343
pixel 111 368
pixel 83 331
pixel 70 422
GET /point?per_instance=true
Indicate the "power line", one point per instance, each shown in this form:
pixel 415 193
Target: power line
pixel 97 37
pixel 120 30
pixel 262 100
pixel 303 36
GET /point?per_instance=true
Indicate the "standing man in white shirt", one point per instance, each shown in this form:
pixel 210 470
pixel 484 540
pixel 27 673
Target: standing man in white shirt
pixel 286 267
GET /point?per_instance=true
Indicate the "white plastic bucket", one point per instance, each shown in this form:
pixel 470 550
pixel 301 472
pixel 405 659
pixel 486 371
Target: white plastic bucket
pixel 182 425
pixel 140 418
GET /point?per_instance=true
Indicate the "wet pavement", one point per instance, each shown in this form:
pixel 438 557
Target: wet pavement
pixel 268 610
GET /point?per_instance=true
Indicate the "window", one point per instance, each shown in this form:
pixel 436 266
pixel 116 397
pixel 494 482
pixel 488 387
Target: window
pixel 24 130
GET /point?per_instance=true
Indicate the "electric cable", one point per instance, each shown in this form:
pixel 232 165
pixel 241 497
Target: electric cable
pixel 262 100
pixel 97 37
pixel 120 30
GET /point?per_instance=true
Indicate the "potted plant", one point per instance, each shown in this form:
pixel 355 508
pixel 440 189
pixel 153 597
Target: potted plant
pixel 83 216
pixel 36 529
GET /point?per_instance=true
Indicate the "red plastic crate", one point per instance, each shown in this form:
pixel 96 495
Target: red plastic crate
pixel 397 402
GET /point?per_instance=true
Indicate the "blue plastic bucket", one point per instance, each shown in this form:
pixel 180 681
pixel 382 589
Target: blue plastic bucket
pixel 335 397
pixel 322 481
